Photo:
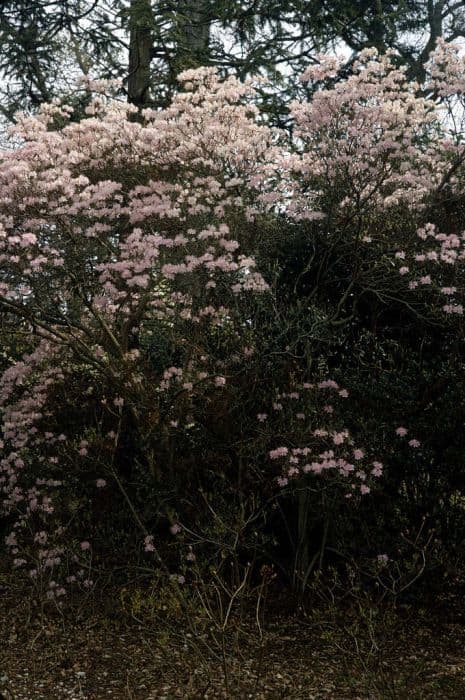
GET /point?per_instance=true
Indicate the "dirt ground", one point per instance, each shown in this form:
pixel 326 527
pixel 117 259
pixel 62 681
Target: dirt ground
pixel 98 650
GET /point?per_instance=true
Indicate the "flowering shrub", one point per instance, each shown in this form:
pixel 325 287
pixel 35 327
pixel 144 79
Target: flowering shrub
pixel 159 266
pixel 113 232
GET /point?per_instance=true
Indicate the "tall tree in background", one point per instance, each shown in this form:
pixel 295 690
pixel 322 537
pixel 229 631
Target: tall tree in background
pixel 46 44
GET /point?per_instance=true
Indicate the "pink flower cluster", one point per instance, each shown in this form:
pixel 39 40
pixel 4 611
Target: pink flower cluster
pixel 363 133
pixel 325 448
pixel 442 255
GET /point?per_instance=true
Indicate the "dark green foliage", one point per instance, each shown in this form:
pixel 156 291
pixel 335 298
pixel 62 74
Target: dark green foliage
pixel 45 45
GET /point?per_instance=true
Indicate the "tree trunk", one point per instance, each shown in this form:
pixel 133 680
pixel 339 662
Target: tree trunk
pixel 140 52
pixel 193 34
pixel 435 26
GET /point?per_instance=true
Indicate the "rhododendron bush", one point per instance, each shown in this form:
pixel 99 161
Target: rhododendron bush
pixel 165 276
pixel 113 232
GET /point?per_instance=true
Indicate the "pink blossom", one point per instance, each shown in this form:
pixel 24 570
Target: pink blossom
pixel 328 384
pixel 453 309
pixel 338 438
pixel 278 452
pixel 148 544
